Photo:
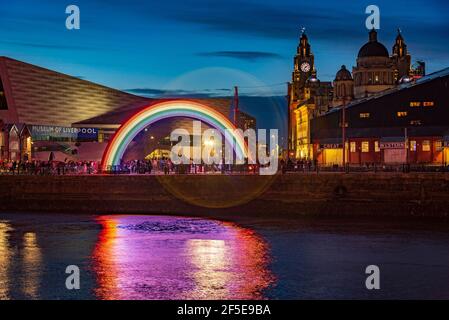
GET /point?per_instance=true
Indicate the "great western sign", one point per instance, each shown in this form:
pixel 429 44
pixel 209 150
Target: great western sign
pixel 46 133
pixel 331 146
pixel 392 145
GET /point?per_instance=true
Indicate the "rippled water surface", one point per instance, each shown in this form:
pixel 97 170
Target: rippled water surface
pixel 155 257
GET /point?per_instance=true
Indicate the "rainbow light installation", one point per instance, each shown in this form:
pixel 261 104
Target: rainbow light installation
pixel 180 108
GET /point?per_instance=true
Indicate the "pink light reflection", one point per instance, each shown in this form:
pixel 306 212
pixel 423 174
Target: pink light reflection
pixel 148 257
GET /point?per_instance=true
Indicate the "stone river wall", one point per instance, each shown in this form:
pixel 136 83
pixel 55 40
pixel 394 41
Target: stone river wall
pixel 325 194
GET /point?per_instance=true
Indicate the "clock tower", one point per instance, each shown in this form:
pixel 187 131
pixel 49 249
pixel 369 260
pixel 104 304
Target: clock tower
pixel 303 68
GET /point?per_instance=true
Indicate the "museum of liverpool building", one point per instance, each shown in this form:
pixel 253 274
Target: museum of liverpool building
pixel 406 124
pixel 43 113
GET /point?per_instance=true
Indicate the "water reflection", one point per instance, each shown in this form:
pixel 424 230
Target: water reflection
pixel 31 266
pixel 19 252
pixel 178 258
pixel 210 268
pixel 145 257
pixel 5 260
pixel 104 260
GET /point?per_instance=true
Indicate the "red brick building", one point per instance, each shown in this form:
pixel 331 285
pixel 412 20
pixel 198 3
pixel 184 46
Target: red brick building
pixel 407 124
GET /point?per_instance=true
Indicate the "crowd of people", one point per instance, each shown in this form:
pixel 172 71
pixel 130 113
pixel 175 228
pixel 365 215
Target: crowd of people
pixel 300 165
pixel 154 166
pixel 164 166
pixel 38 167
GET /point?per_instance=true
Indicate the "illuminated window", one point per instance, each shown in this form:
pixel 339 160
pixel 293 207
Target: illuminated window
pixel 428 104
pixel 402 114
pixel 426 145
pixel 364 115
pixel 365 146
pixel 415 122
pixel 415 104
pixel 353 146
pixel 439 145
pixel 412 145
pixel 376 146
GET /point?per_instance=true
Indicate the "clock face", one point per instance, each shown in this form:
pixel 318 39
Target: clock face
pixel 305 67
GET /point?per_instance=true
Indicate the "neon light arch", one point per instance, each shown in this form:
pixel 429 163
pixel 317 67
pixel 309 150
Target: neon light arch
pixel 181 108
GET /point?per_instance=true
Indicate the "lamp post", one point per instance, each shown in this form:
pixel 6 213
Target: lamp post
pixel 407 151
pixel 343 133
pixel 406 146
pixel 236 106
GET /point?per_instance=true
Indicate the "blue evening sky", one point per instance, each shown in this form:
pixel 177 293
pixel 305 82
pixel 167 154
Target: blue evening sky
pixel 208 46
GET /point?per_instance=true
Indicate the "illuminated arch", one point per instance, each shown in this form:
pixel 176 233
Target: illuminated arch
pixel 128 131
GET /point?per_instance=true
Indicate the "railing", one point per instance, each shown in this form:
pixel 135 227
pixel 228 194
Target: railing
pixel 91 168
pixel 58 168
pixel 370 168
pixel 182 169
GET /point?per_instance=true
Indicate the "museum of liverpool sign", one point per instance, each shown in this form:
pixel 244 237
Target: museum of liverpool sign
pixel 55 133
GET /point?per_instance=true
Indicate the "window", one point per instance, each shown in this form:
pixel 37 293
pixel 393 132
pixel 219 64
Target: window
pixel 376 146
pixel 413 145
pixel 415 122
pixel 415 104
pixel 3 102
pixel 364 115
pixel 428 104
pixel 353 146
pixel 365 146
pixel 439 145
pixel 402 114
pixel 370 77
pixel 426 145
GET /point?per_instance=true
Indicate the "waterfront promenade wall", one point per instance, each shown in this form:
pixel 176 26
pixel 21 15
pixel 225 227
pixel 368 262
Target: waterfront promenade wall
pixel 325 194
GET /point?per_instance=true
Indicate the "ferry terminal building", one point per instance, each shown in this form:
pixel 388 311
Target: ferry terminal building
pixel 394 114
pixel 406 124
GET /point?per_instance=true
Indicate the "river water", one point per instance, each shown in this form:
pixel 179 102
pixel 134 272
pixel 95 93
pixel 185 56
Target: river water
pixel 159 257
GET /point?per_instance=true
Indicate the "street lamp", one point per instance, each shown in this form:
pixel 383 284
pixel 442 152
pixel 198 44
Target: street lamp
pixel 344 132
